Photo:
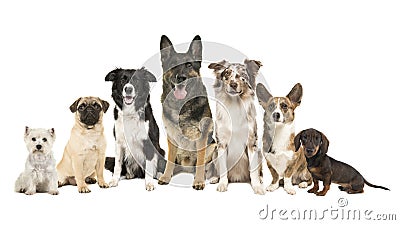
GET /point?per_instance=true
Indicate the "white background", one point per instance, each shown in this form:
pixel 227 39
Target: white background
pixel 345 53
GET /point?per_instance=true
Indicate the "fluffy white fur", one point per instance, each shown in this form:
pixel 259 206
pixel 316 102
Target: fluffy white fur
pixel 40 173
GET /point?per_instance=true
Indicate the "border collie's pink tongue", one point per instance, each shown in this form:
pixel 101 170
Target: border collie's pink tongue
pixel 180 92
pixel 128 100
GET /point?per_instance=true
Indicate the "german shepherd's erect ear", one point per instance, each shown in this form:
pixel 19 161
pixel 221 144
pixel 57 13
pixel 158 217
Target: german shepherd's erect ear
pixel 196 48
pixel 166 48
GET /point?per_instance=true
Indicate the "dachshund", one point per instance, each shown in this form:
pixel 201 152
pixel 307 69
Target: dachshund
pixel 328 170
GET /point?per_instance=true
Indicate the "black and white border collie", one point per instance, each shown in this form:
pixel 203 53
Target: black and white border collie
pixel 137 150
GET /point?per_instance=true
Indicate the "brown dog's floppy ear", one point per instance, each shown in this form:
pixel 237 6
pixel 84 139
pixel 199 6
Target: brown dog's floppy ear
pixel 297 141
pixel 296 94
pixel 105 105
pixel 218 68
pixel 263 95
pixel 323 148
pixel 74 105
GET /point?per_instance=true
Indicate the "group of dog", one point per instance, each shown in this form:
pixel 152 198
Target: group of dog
pixel 232 157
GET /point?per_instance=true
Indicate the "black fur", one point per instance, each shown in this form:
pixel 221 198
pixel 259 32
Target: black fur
pixel 140 80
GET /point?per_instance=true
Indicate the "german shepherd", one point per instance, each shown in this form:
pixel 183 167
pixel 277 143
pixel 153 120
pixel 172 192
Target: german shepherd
pixel 186 112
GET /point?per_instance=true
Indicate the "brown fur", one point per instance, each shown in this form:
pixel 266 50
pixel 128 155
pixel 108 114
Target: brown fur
pixel 314 145
pixel 84 154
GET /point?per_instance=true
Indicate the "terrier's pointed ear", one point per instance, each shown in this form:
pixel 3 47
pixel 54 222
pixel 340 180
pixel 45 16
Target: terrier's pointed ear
pixel 296 94
pixel 52 132
pixel 27 130
pixel 74 105
pixel 263 95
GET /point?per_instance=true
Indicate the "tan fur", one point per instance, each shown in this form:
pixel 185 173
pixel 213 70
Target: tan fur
pixel 84 154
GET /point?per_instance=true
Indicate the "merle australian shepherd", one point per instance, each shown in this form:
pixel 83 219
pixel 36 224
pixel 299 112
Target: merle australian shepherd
pixel 137 150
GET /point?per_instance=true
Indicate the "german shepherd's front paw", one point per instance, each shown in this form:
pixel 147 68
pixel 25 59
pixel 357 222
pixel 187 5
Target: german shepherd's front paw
pixel 83 190
pixel 164 180
pixel 198 184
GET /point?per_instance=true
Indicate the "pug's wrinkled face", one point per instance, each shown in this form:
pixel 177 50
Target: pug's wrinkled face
pixel 89 110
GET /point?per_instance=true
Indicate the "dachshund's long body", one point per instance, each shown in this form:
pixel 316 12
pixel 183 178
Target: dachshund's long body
pixel 327 169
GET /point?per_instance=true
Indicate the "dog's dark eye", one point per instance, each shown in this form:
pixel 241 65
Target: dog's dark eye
pixel 33 139
pixel 44 139
pixel 189 65
pixel 317 139
pixel 305 137
pixel 284 106
pixel 124 78
pixel 96 106
pixel 242 79
pixel 271 107
pixel 82 107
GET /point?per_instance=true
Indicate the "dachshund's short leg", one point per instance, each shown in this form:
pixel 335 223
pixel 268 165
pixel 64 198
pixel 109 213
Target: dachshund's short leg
pixel 315 188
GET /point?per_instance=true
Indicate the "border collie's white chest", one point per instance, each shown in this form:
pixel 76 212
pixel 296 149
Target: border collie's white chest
pixel 131 130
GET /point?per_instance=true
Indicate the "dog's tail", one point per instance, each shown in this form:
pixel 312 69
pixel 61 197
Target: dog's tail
pixel 375 186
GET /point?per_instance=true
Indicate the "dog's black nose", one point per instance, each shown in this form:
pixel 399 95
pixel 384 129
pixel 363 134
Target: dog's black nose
pixel 276 116
pixel 233 85
pixel 309 150
pixel 38 147
pixel 181 77
pixel 128 90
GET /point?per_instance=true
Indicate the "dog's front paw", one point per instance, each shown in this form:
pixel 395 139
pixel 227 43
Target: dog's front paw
pixel 222 187
pixel 198 184
pixel 164 180
pixel 290 190
pixel 150 186
pixel 258 189
pixel 103 185
pixel 129 176
pixel 113 183
pixel 320 193
pixel 30 192
pixel 303 185
pixel 272 187
pixel 313 190
pixel 83 190
pixel 53 192
pixel 214 180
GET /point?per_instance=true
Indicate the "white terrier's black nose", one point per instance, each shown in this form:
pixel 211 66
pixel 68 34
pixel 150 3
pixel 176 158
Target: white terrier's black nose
pixel 38 147
pixel 128 90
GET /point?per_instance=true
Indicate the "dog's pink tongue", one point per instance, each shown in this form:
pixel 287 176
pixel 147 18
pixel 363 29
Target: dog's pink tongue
pixel 180 93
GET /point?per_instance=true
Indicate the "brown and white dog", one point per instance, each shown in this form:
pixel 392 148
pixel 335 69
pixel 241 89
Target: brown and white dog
pixel 282 159
pixel 239 159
